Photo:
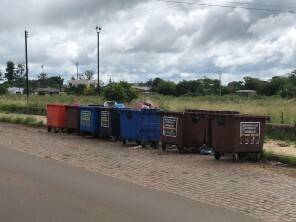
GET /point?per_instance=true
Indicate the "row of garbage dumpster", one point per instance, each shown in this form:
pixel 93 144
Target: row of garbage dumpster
pixel 225 132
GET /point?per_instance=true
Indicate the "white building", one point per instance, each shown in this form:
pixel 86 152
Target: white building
pixel 86 82
pixel 15 90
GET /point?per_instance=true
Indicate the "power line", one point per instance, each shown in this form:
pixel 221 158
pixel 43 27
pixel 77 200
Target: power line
pixel 247 3
pixel 228 6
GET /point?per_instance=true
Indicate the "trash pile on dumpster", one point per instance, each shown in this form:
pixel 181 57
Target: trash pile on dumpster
pixel 205 131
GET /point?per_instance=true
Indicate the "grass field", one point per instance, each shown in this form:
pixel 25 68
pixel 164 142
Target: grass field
pixel 280 110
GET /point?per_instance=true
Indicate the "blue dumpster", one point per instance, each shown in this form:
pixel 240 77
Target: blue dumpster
pixel 89 120
pixel 139 125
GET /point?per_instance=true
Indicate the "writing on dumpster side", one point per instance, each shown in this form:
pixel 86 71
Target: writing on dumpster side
pixel 85 118
pixel 250 133
pixel 170 126
pixel 104 118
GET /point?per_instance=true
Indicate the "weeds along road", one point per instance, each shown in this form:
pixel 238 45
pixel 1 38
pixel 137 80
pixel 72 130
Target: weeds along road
pixel 247 188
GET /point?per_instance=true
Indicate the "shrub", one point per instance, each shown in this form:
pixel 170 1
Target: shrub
pixel 120 92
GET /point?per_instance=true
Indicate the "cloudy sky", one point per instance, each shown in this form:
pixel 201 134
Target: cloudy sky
pixel 144 39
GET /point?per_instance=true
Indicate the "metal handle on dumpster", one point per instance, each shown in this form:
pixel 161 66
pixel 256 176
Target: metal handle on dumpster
pixel 195 119
pixel 221 120
pixel 230 116
pixel 129 115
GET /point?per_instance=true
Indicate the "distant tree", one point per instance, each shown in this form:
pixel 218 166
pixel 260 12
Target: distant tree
pixel 288 91
pixel 167 88
pixel 210 86
pixel 183 88
pixel 1 75
pixel 10 71
pixel 72 78
pixel 42 76
pixel 292 77
pixel 255 84
pixel 155 84
pixel 20 74
pixel 3 90
pixel 89 74
pixel 235 85
pixel 274 86
pixel 77 90
pixel 55 80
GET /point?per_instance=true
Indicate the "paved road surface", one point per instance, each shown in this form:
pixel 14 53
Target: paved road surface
pixel 37 189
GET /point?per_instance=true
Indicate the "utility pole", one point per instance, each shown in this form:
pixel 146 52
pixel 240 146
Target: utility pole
pixel 98 29
pixel 27 70
pixel 77 69
pixel 220 80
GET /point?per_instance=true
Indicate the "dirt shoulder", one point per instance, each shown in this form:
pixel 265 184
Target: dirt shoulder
pixel 281 148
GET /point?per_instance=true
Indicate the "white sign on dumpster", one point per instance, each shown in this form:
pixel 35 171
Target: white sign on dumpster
pixel 250 133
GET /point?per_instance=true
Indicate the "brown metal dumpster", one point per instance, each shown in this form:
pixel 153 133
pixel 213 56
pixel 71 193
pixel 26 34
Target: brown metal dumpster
pixel 182 129
pixel 72 118
pixel 237 135
pixel 209 116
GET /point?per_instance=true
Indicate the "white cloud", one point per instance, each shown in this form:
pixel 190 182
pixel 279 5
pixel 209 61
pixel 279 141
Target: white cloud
pixel 147 39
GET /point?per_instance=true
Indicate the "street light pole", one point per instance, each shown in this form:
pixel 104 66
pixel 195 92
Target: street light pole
pixel 27 70
pixel 98 29
pixel 77 69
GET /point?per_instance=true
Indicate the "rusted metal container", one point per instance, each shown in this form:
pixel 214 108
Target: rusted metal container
pixel 72 118
pixel 237 135
pixel 55 117
pixel 183 129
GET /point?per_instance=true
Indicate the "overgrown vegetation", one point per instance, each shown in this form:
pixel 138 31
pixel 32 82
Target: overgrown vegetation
pixel 282 134
pixel 280 110
pixel 271 156
pixel 30 121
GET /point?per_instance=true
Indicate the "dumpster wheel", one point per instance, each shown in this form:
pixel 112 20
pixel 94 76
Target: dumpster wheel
pixel 181 149
pixel 125 141
pixel 235 157
pixel 163 147
pixel 258 156
pixel 217 155
pixel 155 144
pixel 49 129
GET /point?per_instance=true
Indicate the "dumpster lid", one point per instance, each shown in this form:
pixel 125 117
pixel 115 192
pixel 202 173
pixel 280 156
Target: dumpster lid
pixel 242 116
pixel 171 113
pixel 212 111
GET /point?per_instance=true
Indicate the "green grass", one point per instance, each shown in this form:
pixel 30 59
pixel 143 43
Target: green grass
pixel 280 110
pixel 279 134
pixel 30 121
pixel 271 156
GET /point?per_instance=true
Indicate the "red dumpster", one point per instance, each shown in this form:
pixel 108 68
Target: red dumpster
pixel 56 117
